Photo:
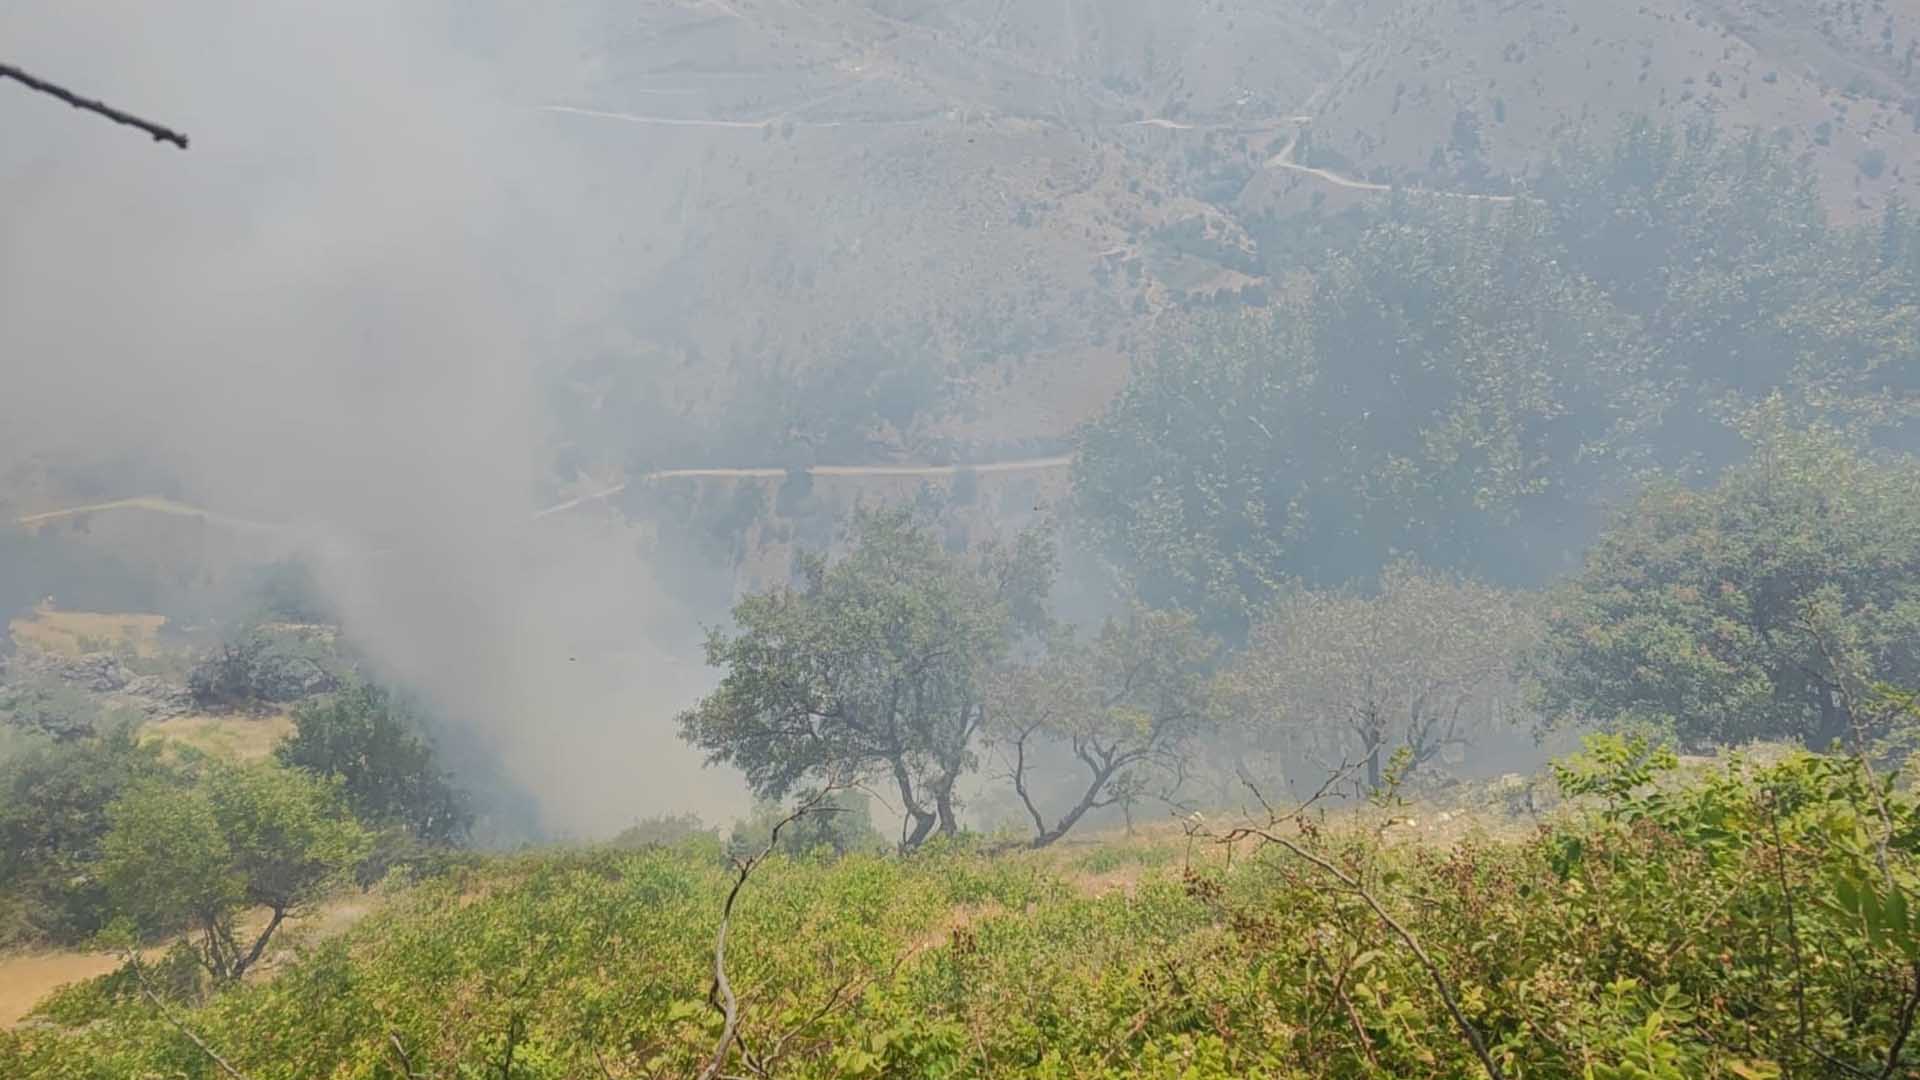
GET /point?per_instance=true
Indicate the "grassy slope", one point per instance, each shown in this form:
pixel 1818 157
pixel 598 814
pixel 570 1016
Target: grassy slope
pixel 1148 957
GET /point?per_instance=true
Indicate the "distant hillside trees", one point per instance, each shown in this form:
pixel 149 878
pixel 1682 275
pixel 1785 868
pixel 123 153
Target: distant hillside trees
pixel 263 667
pixel 1756 609
pixel 1469 382
pixel 1421 662
pixel 1440 383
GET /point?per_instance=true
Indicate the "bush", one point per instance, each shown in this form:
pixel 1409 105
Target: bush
pixel 841 825
pixel 53 819
pixel 262 669
pixel 369 739
pixel 1676 931
pixel 49 708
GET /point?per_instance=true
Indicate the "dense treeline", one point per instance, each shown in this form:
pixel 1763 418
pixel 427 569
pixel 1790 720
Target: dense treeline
pixel 1470 383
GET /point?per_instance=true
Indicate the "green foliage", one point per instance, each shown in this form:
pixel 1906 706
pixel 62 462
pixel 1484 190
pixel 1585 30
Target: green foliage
pixel 1751 609
pixel 841 825
pixel 1613 766
pixel 868 668
pixel 53 820
pixel 1466 384
pixel 195 857
pixel 665 830
pixel 370 740
pixel 1680 931
pixel 49 708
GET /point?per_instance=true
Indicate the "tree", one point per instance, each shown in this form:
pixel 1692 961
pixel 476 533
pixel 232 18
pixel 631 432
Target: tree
pixel 370 740
pixel 1126 704
pixel 1740 612
pixel 869 668
pixel 195 857
pixel 1424 662
pixel 53 821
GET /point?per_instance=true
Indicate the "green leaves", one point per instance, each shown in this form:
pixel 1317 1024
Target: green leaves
pixel 1613 767
pixel 1752 609
pixel 194 856
pixel 869 668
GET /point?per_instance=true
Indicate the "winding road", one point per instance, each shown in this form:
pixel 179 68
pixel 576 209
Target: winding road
pixel 1284 160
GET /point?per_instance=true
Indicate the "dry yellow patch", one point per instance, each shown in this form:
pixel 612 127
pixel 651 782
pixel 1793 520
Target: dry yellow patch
pixel 237 738
pixel 28 977
pixel 25 978
pixel 74 633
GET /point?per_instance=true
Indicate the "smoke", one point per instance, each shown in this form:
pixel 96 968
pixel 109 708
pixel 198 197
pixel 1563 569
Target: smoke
pixel 333 312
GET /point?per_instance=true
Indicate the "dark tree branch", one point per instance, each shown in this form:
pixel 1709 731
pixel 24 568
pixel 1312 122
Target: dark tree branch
pixel 1353 886
pixel 400 1054
pixel 722 997
pixel 159 133
pixel 241 965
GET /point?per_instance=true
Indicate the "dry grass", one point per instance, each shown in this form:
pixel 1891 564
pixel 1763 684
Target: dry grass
pixel 25 978
pixel 75 633
pixel 235 737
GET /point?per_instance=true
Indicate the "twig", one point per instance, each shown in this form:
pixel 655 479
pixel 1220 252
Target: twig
pixel 400 1052
pixel 1801 1040
pixel 159 133
pixel 1793 932
pixel 1467 1031
pixel 139 973
pixel 721 997
pixel 1907 1017
pixel 1439 979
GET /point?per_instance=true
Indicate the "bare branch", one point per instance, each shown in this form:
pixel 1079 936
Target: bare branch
pixel 1347 881
pixel 159 133
pixel 1352 885
pixel 721 996
pixel 140 973
pixel 400 1053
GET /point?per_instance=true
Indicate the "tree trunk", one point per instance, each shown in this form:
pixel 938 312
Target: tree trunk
pixel 1835 724
pixel 923 820
pixel 923 823
pixel 1373 765
pixel 260 943
pixel 943 803
pixel 1072 817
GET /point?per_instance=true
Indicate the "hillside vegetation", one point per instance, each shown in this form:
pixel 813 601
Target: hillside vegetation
pixel 1746 922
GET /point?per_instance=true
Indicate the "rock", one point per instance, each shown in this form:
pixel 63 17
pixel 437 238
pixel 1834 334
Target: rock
pixel 101 673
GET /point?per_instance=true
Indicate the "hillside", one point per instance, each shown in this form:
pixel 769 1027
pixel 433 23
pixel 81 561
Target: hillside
pixel 1007 199
pixel 1314 947
pixel 1452 94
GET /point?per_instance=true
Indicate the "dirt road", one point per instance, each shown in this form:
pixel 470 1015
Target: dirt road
pixel 158 505
pixel 1284 160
